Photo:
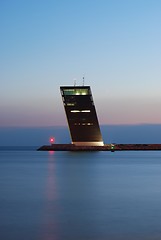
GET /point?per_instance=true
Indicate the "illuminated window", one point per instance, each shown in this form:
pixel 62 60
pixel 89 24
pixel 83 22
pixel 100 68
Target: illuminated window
pixel 76 91
pixel 70 104
pixel 83 124
pixel 83 111
pixel 75 111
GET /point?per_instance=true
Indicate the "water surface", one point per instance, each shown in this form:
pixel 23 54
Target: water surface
pixel 79 195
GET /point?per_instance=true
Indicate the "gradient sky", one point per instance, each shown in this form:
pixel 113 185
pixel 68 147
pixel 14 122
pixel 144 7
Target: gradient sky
pixel 48 43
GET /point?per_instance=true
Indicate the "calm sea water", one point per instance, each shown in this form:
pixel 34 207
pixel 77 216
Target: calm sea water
pixel 81 195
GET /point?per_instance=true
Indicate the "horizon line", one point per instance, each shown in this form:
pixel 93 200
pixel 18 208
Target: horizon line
pixel 66 126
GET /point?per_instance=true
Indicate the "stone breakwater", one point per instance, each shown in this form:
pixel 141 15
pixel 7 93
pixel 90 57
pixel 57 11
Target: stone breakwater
pixel 106 147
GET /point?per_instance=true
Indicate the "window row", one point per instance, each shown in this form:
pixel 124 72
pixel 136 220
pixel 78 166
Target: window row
pixel 83 111
pixel 83 124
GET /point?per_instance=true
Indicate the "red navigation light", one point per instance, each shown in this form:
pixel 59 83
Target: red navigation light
pixel 52 140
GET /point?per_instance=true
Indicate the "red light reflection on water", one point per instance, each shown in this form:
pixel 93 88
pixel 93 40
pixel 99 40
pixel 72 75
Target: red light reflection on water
pixel 50 224
pixel 51 152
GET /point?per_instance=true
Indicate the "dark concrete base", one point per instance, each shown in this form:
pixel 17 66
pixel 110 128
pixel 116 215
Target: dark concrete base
pixel 106 147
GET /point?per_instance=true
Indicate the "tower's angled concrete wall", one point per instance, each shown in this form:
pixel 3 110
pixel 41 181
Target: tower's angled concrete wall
pixel 81 116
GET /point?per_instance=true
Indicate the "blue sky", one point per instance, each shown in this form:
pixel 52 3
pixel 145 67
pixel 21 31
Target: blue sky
pixel 46 44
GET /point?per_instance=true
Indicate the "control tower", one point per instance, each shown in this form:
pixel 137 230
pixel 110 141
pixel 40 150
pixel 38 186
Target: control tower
pixel 81 116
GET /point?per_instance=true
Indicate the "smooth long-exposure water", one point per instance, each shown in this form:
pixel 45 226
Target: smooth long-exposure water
pixel 80 195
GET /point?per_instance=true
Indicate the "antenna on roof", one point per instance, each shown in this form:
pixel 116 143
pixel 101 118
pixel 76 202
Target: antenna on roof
pixel 74 82
pixel 83 79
